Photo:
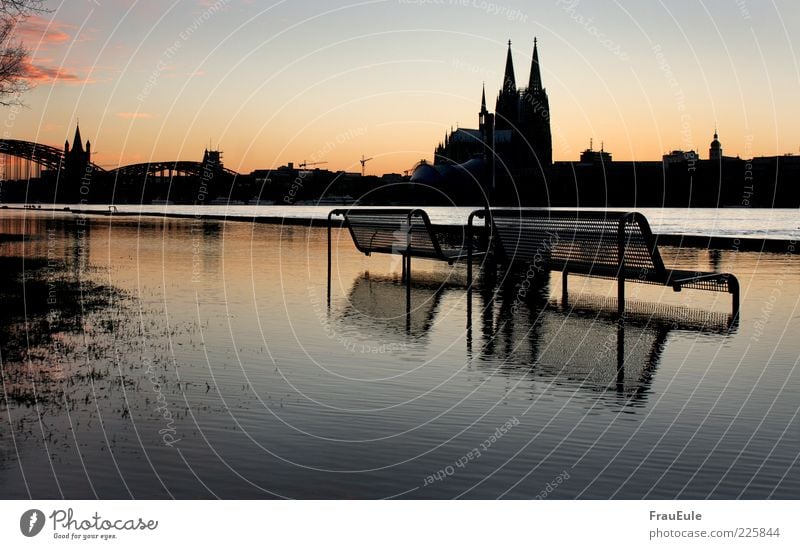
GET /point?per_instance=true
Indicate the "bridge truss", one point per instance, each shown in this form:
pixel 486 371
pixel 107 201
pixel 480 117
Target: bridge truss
pixel 25 159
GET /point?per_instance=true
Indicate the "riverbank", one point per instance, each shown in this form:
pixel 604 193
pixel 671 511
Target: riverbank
pixel 667 233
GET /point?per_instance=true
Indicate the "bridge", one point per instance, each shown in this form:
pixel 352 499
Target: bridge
pixel 26 159
pixel 167 170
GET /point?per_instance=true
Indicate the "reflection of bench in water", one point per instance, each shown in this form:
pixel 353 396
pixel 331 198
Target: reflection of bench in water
pixel 378 306
pixel 587 343
pixel 603 244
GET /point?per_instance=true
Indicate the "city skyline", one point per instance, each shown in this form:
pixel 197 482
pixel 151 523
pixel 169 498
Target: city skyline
pixel 328 82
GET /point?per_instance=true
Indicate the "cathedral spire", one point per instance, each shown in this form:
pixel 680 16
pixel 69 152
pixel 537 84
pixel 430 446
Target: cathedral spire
pixel 535 82
pixel 77 143
pixel 509 82
pixel 483 99
pixel 507 106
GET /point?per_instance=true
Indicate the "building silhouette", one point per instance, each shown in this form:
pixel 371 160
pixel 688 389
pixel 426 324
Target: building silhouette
pixel 505 161
pixel 715 149
pixel 515 140
pixel 77 156
pixel 76 174
pixel 591 156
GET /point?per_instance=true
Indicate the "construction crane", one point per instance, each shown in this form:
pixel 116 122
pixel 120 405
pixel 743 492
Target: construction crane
pixel 410 171
pixel 363 163
pixel 305 164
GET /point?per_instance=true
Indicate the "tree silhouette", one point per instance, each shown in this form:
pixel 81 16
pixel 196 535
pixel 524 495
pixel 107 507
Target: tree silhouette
pixel 13 54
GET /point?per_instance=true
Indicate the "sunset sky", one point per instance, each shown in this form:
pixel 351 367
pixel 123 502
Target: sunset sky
pixel 293 80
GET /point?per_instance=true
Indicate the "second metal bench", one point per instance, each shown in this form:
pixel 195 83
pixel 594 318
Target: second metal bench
pixel 615 245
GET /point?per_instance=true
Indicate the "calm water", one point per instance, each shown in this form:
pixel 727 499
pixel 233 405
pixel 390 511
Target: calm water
pixel 734 222
pixel 156 358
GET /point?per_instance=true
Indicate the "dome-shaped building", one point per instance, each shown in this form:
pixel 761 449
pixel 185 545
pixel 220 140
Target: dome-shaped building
pixel 715 150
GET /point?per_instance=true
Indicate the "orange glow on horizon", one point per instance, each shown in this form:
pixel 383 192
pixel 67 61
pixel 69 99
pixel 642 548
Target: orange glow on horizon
pixel 295 86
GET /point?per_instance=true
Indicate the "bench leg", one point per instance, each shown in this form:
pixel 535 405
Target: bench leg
pixel 469 300
pixel 408 289
pixel 564 296
pixel 469 323
pixel 621 354
pixel 329 262
pixel 621 242
pixel 469 271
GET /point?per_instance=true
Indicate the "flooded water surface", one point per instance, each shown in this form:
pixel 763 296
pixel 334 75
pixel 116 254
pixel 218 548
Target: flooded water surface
pixel 145 357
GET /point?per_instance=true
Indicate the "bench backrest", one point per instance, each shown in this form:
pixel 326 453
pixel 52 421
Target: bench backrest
pixel 392 231
pixel 577 241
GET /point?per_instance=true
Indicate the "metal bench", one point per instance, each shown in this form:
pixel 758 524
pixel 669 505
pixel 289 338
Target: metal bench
pixel 613 245
pixel 407 232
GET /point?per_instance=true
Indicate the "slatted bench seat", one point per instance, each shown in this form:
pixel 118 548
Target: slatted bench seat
pixel 407 232
pixel 613 245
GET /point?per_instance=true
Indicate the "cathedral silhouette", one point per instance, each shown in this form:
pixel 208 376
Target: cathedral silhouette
pixel 514 142
pixel 508 160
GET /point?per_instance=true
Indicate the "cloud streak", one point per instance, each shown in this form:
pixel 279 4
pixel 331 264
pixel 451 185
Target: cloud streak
pixel 45 38
pixel 40 33
pixel 40 74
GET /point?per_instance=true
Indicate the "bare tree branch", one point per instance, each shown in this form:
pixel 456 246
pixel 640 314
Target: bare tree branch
pixel 14 57
pixel 20 8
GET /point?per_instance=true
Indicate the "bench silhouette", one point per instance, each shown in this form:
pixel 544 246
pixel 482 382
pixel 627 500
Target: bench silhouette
pixel 404 231
pixel 613 245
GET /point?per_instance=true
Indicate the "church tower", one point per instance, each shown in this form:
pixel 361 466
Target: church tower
pixel 482 114
pixel 507 106
pixel 484 118
pixel 76 157
pixel 534 118
pixel 715 150
pixel 75 169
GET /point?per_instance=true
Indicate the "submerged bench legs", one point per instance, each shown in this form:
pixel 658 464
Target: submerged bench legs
pixel 329 259
pixel 621 354
pixel 733 289
pixel 407 270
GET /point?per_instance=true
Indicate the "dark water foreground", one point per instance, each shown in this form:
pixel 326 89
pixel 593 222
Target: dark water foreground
pixel 157 358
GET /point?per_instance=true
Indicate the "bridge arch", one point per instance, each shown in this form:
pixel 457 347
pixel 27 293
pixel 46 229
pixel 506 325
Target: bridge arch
pixel 15 153
pixel 36 155
pixel 167 170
